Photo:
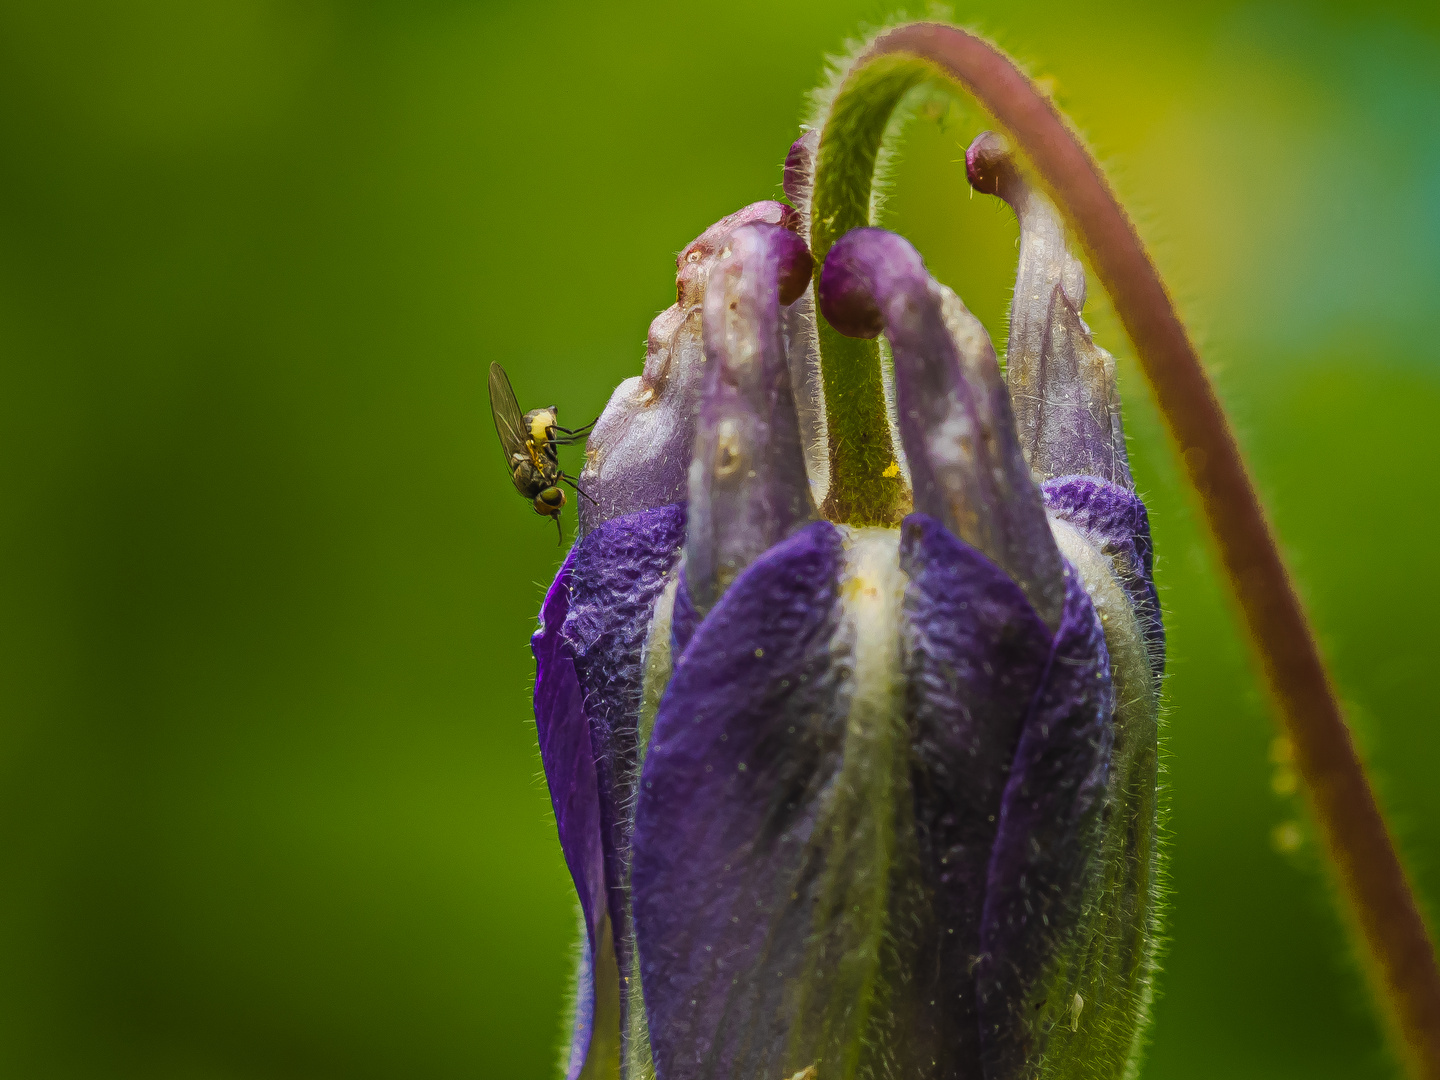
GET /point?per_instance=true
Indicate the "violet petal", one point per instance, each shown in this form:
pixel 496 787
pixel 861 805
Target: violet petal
pixel 976 653
pixel 1116 522
pixel 802 341
pixel 727 860
pixel 802 348
pixel 1073 400
pixel 1044 867
pixel 760 867
pixel 684 620
pixel 1091 1002
pixel 569 763
pixel 799 179
pixel 616 573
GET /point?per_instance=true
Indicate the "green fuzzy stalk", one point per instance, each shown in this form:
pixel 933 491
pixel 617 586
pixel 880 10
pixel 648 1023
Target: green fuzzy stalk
pixel 865 487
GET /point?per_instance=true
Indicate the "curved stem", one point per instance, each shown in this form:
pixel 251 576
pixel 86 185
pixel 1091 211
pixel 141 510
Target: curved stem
pixel 1395 945
pixel 864 488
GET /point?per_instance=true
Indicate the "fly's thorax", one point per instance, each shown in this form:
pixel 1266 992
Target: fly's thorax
pixel 540 424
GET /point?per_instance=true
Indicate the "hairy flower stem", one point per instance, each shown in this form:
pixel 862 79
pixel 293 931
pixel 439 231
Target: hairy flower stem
pixel 864 487
pixel 1395 945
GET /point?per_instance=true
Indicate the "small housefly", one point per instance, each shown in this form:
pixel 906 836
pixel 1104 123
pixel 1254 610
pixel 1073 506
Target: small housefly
pixel 530 442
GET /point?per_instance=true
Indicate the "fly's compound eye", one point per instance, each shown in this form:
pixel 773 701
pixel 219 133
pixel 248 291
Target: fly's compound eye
pixel 549 500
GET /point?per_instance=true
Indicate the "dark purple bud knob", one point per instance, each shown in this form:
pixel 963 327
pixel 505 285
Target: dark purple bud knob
pixel 794 266
pixel 853 274
pixel 989 165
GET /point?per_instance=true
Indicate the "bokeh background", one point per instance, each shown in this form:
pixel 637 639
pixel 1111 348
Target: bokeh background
pixel 270 802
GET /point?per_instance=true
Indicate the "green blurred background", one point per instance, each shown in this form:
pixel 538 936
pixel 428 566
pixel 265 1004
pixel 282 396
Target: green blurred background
pixel 270 802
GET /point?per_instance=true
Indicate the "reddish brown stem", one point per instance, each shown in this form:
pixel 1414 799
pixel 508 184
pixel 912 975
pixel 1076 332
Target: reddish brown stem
pixel 1399 956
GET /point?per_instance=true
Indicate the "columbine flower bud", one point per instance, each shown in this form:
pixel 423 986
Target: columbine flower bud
pixel 856 801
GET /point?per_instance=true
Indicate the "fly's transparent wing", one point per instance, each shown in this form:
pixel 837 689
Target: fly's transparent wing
pixel 506 410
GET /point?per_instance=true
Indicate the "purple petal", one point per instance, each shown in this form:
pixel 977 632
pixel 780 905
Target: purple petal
pixel 725 864
pixel 638 456
pixel 976 654
pixel 616 574
pixel 1116 522
pixel 748 485
pixel 966 467
pixel 1046 856
pixel 1062 384
pixel 569 765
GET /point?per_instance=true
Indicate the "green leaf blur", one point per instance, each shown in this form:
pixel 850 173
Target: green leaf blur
pixel 270 803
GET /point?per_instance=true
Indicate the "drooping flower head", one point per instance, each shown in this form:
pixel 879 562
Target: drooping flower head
pixel 847 797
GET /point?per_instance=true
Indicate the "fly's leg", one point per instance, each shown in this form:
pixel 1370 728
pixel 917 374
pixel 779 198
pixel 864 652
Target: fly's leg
pixel 569 436
pixel 570 480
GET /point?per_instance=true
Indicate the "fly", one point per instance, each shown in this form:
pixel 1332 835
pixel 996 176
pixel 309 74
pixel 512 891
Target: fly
pixel 530 441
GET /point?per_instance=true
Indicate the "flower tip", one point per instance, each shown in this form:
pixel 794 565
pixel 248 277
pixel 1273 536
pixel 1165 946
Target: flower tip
pixel 861 264
pixel 989 163
pixel 793 264
pixel 800 167
pixel 694 258
pixel 765 212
